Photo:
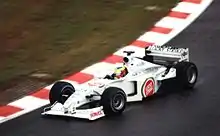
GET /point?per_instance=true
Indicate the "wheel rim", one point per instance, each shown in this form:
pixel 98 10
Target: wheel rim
pixel 191 75
pixel 66 93
pixel 118 101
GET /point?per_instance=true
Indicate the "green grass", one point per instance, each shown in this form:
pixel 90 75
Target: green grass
pixel 60 37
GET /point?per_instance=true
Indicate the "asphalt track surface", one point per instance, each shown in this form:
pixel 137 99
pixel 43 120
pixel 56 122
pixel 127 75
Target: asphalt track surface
pixel 182 113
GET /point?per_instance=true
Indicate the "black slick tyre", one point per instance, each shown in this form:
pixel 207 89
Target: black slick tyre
pixel 186 74
pixel 113 101
pixel 60 92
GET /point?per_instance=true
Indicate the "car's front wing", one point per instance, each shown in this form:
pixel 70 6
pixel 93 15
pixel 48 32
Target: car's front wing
pixel 91 114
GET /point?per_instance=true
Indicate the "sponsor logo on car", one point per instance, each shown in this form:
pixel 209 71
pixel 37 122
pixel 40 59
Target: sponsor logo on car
pixel 167 49
pixel 96 114
pixel 96 84
pixel 148 87
pixel 152 69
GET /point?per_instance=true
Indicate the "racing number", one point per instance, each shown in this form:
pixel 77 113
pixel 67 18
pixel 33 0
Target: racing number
pixel 148 87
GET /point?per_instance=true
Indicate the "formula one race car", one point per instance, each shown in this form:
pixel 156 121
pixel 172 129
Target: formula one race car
pixel 136 79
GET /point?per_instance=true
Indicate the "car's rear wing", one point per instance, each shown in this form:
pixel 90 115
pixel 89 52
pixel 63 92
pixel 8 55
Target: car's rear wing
pixel 181 54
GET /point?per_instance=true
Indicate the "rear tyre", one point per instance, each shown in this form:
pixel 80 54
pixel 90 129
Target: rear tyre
pixel 113 101
pixel 186 74
pixel 60 92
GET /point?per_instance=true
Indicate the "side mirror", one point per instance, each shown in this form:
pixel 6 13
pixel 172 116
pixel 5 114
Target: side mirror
pixel 125 59
pixel 128 52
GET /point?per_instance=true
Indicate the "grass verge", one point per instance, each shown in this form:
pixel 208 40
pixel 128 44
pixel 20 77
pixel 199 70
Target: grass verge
pixel 59 37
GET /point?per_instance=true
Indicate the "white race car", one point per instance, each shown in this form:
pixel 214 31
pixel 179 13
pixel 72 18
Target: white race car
pixel 137 79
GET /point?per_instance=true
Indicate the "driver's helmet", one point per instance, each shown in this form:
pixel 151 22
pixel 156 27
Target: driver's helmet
pixel 120 72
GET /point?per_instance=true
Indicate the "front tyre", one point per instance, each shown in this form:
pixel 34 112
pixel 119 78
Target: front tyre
pixel 60 92
pixel 186 74
pixel 113 101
